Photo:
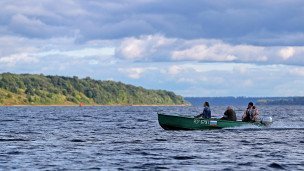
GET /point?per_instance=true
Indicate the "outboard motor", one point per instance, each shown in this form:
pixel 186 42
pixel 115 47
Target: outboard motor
pixel 266 120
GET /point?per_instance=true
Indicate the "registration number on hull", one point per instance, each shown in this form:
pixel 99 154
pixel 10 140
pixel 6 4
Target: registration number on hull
pixel 205 122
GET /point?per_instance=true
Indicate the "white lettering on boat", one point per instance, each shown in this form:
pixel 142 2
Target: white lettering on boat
pixel 201 121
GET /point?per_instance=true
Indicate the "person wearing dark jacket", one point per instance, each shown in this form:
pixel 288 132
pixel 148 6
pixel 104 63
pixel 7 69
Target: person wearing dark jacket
pixel 229 114
pixel 206 112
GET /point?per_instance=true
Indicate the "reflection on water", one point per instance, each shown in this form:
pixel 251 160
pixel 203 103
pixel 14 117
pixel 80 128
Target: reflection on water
pixel 97 138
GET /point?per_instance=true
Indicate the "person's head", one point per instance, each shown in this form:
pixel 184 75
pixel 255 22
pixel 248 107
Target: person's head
pixel 229 108
pixel 250 104
pixel 206 104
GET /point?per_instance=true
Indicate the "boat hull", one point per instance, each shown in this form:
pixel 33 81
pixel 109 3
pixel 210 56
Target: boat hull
pixel 171 122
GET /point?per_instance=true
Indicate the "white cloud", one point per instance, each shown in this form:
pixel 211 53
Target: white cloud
pixel 54 56
pixel 204 53
pixel 159 48
pixel 297 71
pixel 248 83
pixel 135 72
pixel 291 88
pixel 12 60
pixel 47 8
pixel 186 80
pixel 143 47
pixel 173 70
pixel 241 69
pixel 19 20
pixel 132 48
pixel 287 52
pixel 209 50
pixel 81 53
pixel 15 45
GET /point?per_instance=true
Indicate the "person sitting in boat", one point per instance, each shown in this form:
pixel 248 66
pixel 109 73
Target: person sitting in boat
pixel 229 114
pixel 206 112
pixel 251 114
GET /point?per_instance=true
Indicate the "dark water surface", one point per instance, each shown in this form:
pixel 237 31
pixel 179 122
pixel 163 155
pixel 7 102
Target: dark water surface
pixel 129 138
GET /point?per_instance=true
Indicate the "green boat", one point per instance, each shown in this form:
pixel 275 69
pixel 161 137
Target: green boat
pixel 172 122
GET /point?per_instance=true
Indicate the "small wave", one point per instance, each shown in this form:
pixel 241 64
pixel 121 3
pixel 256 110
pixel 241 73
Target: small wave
pixel 14 153
pixel 29 132
pixel 77 140
pixel 142 120
pixel 158 149
pixel 136 141
pixel 119 142
pixel 286 125
pixel 276 166
pixel 7 120
pixel 184 157
pixel 128 142
pixel 161 168
pixel 94 168
pixel 76 120
pixel 202 140
pixel 258 156
pixel 124 127
pixel 244 127
pixel 144 153
pixel 160 139
pixel 245 142
pixel 271 128
pixel 149 166
pixel 53 119
pixel 245 164
pixel 278 142
pixel 286 128
pixel 86 116
pixel 13 139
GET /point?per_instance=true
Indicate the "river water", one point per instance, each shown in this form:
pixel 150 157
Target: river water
pixel 130 138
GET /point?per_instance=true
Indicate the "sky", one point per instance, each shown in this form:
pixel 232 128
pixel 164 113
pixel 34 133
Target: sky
pixel 195 48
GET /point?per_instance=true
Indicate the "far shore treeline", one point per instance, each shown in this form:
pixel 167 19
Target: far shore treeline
pixel 243 101
pixel 32 89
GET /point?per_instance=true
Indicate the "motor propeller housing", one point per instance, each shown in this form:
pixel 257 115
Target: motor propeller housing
pixel 266 120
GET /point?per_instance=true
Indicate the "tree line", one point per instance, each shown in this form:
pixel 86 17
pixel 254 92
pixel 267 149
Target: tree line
pixel 282 101
pixel 46 90
pixel 243 101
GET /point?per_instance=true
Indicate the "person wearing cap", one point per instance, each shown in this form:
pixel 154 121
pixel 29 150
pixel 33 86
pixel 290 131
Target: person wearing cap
pixel 251 114
pixel 206 112
pixel 229 114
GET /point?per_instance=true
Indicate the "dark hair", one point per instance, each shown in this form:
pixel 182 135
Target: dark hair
pixel 207 104
pixel 250 103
